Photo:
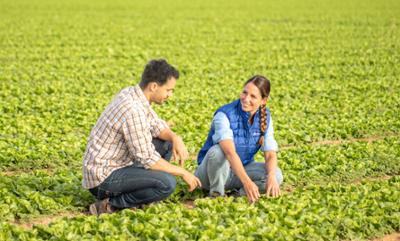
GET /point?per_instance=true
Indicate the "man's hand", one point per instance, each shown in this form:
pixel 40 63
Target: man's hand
pixel 272 187
pixel 251 190
pixel 191 180
pixel 179 150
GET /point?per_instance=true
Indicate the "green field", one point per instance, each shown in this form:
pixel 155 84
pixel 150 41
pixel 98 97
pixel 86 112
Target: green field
pixel 335 100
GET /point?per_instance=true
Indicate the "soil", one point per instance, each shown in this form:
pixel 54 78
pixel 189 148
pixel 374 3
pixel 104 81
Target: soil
pixel 45 219
pixel 390 237
pixel 369 139
pixel 189 204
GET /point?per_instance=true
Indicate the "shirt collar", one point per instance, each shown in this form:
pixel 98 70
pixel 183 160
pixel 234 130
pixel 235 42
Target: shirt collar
pixel 138 92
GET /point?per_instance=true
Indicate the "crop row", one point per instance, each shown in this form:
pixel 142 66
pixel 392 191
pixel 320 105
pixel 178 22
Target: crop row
pixel 334 71
pixel 37 193
pixel 329 212
pixel 39 131
pixel 41 193
pixel 342 163
pixel 334 68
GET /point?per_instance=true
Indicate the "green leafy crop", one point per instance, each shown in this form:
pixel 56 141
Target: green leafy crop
pixel 334 68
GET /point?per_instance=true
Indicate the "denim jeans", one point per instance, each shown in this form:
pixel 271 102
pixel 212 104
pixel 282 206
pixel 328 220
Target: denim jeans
pixel 133 185
pixel 216 175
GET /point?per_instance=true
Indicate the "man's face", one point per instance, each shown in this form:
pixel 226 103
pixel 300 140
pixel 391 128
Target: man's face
pixel 163 92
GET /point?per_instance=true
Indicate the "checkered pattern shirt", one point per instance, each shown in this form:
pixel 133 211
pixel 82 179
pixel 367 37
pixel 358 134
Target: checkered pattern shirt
pixel 122 135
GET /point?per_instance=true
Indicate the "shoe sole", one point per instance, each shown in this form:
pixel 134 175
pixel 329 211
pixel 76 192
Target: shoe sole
pixel 93 209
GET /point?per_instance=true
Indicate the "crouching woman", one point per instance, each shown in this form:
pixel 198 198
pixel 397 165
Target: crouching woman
pixel 238 131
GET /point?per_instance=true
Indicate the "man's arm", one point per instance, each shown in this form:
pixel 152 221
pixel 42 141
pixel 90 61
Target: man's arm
pixel 179 150
pixel 160 129
pixel 190 179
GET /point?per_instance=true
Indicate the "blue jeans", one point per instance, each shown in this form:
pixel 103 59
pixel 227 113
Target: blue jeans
pixel 133 185
pixel 216 175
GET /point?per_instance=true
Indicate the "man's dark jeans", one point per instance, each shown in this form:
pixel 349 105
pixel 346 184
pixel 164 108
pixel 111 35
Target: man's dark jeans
pixel 133 186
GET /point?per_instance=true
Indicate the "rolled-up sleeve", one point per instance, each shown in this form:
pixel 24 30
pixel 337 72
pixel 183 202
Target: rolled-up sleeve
pixel 156 124
pixel 222 128
pixel 139 139
pixel 270 143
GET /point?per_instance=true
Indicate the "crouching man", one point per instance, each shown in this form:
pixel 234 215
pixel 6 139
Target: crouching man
pixel 126 163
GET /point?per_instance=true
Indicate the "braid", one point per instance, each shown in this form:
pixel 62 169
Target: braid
pixel 264 86
pixel 263 123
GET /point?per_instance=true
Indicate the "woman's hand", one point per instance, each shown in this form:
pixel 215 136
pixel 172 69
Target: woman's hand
pixel 251 190
pixel 272 187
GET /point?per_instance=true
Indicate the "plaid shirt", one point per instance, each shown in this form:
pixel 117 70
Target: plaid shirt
pixel 121 137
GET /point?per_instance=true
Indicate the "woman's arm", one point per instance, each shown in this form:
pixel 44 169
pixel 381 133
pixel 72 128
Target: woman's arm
pixel 251 189
pixel 270 147
pixel 271 164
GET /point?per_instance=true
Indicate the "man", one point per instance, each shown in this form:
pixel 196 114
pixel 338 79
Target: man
pixel 125 164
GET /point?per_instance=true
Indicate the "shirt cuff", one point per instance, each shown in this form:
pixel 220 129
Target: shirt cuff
pixel 270 144
pixel 153 160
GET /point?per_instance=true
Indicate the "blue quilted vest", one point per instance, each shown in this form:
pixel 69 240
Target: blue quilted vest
pixel 245 135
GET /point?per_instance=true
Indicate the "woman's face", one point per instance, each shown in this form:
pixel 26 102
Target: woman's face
pixel 251 98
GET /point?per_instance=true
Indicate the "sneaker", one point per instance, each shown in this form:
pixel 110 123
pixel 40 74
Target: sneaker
pixel 146 205
pixel 215 194
pixel 101 206
pixel 233 193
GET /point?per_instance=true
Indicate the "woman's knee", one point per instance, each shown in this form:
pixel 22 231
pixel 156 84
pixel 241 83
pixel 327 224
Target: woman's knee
pixel 216 153
pixel 279 176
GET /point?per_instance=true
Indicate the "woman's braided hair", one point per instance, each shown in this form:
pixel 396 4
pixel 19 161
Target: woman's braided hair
pixel 264 85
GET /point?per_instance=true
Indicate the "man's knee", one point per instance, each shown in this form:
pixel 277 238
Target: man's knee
pixel 168 183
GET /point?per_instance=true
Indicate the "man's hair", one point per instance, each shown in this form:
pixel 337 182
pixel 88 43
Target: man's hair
pixel 159 71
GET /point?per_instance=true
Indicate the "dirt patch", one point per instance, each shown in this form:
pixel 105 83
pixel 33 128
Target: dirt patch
pixel 288 188
pixel 45 219
pixel 23 171
pixel 189 204
pixel 369 139
pixel 380 178
pixel 17 172
pixel 390 237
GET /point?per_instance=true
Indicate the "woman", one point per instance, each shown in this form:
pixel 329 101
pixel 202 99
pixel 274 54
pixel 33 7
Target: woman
pixel 238 130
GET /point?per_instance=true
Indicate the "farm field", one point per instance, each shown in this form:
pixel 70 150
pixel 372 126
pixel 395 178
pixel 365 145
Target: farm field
pixel 335 101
